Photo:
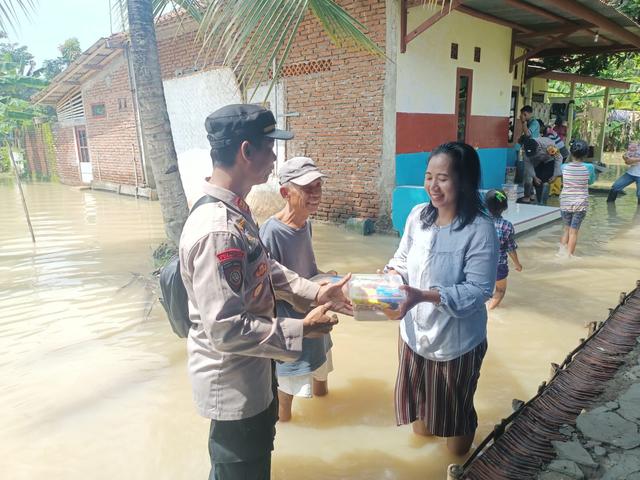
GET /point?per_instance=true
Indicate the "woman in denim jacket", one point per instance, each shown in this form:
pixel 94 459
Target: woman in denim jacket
pixel 447 258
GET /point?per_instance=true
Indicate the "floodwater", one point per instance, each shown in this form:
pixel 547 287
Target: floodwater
pixel 93 381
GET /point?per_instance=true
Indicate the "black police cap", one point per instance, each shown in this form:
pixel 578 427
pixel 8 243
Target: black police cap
pixel 239 122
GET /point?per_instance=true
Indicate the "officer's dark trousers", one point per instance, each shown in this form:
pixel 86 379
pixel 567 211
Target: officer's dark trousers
pixel 241 449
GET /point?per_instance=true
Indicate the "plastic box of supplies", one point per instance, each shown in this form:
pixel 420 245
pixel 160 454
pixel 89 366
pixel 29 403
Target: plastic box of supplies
pixel 326 278
pixel 371 294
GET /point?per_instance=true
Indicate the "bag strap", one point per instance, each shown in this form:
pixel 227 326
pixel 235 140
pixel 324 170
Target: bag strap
pixel 202 200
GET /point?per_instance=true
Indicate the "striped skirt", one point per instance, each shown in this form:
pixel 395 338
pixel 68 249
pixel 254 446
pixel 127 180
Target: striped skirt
pixel 440 393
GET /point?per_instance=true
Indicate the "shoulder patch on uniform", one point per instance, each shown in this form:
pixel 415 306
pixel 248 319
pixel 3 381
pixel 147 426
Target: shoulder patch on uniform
pixel 232 270
pixel 230 254
pixel 242 205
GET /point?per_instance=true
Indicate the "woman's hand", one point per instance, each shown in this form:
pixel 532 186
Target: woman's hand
pixel 414 297
pixel 518 267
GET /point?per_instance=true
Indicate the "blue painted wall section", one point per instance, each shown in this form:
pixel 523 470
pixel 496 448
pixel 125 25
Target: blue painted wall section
pixel 410 169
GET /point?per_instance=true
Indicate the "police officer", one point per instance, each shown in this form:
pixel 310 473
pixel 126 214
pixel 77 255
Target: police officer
pixel 232 283
pixel 542 164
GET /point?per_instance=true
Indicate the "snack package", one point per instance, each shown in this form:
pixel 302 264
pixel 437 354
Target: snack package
pixel 372 294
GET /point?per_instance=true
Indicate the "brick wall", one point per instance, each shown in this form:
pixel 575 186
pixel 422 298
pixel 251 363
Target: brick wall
pixel 112 137
pixel 341 113
pixel 339 96
pixel 66 155
pixel 339 99
pixel 35 151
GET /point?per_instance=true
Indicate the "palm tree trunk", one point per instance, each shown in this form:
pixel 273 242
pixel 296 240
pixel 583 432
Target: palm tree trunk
pixel 156 129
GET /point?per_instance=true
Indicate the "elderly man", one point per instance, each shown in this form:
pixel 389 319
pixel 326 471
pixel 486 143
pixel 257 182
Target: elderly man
pixel 232 283
pixel 287 235
pixel 542 165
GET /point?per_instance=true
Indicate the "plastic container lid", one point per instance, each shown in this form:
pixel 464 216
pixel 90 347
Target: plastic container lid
pixel 372 294
pixel 326 277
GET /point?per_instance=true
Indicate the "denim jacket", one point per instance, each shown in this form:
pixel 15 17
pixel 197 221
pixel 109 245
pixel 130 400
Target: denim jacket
pixel 461 265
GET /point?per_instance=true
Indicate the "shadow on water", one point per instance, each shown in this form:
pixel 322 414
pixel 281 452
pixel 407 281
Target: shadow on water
pixel 365 401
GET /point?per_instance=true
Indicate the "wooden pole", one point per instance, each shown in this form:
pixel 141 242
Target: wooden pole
pixel 604 125
pixel 570 110
pixel 24 203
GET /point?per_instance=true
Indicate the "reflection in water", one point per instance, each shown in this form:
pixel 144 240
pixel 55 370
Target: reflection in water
pixel 94 383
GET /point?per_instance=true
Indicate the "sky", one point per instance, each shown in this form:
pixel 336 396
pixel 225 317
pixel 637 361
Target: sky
pixel 56 20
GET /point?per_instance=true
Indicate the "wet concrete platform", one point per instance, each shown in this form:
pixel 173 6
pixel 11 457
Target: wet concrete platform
pixel 526 217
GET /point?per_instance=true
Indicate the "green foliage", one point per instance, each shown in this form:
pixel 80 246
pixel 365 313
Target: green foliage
pixel 50 150
pixel 599 65
pixel 69 51
pixel 5 161
pixel 163 254
pixel 631 8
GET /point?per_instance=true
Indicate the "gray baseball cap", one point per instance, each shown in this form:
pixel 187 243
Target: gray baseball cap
pixel 299 171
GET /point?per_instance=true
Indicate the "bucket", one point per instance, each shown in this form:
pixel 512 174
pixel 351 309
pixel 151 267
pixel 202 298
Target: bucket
pixel 511 190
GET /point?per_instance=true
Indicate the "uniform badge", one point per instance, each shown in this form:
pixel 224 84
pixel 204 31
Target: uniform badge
pixel 258 290
pixel 241 224
pixel 231 261
pixel 242 205
pixel 261 270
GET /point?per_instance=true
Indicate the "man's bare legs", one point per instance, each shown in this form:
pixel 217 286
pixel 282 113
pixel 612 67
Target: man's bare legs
pixel 320 388
pixel 284 406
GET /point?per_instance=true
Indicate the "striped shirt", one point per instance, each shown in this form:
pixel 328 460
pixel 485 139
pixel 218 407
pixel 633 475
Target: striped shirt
pixel 575 187
pixel 556 138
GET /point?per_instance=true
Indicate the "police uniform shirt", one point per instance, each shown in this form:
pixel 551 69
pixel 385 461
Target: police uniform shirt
pixel 231 283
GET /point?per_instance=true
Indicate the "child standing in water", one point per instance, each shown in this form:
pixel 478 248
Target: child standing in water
pixel 496 201
pixel 574 198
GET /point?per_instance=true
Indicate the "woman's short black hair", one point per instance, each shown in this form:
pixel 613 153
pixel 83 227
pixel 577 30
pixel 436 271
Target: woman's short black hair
pixel 465 170
pixel 579 148
pixel 496 201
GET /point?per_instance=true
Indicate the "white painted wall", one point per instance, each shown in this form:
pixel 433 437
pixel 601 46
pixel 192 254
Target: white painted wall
pixel 427 74
pixel 190 100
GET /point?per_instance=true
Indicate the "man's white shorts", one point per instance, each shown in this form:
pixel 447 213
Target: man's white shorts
pixel 302 385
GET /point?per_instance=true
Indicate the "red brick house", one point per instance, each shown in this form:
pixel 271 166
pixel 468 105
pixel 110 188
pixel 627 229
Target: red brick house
pixel 369 122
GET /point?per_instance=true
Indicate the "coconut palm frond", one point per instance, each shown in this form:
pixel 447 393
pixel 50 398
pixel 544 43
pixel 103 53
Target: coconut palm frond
pixel 254 37
pixel 342 28
pixel 10 11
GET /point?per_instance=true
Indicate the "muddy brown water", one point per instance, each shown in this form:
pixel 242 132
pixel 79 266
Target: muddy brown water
pixel 93 381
